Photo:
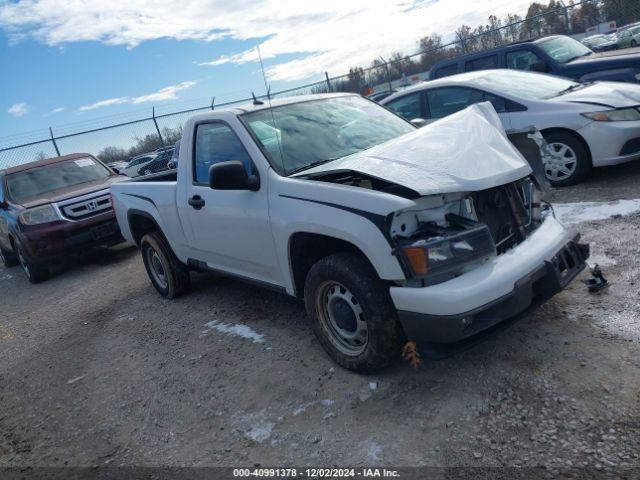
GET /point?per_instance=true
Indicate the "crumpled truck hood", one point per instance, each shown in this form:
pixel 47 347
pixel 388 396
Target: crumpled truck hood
pixel 606 94
pixel 464 152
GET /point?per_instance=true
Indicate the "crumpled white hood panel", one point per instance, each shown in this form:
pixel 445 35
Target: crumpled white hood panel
pixel 464 152
pixel 615 94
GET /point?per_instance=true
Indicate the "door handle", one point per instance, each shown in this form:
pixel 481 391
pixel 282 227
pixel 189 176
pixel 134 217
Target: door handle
pixel 196 202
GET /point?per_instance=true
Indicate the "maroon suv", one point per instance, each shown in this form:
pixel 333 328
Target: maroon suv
pixel 52 208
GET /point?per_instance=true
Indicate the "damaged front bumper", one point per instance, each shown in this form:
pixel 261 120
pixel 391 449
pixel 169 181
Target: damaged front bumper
pixel 538 268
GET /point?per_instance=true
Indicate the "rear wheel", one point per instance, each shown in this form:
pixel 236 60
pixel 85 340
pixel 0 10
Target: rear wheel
pixel 8 259
pixel 168 275
pixel 352 314
pixel 34 273
pixel 571 163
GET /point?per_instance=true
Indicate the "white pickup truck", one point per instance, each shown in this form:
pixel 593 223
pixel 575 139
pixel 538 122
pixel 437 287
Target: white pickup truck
pixel 388 232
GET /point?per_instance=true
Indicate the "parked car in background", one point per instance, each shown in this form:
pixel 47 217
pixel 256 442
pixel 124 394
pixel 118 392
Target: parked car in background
pixel 601 43
pixel 53 208
pixel 628 37
pixel 586 124
pixel 118 166
pixel 377 96
pixel 148 163
pixel 173 163
pixel 558 55
pixel 389 233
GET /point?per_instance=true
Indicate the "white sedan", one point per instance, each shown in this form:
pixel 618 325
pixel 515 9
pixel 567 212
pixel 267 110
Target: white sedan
pixel 586 124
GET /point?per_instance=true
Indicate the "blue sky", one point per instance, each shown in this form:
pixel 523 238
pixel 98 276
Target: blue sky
pixel 71 61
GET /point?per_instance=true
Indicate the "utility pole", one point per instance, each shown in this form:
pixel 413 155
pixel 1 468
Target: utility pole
pixel 155 122
pixel 53 140
pixel 386 68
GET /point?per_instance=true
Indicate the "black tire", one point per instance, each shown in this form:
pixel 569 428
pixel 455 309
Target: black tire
pixel 580 151
pixel 175 279
pixel 634 44
pixel 8 259
pixel 34 273
pixel 370 295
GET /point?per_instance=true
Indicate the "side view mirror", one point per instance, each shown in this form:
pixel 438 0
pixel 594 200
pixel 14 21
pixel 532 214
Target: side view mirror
pixel 232 176
pixel 419 122
pixel 117 170
pixel 539 67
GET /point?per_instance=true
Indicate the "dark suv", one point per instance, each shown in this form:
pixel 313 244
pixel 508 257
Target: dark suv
pixel 557 55
pixel 52 208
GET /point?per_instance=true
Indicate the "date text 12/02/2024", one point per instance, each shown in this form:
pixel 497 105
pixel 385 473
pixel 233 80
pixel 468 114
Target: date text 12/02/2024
pixel 316 472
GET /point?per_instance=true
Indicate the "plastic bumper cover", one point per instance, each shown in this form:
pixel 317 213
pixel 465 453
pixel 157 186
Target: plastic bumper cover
pixel 549 276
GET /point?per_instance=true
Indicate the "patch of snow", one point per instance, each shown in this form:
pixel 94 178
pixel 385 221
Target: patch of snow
pixel 302 408
pixel 238 329
pixel 6 276
pixel 259 433
pixel 571 213
pixel 599 256
pixel 373 452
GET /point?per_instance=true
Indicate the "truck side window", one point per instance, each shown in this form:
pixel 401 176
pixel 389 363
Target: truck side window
pixel 215 143
pixel 525 60
pixel 408 106
pixel 446 71
pixel 482 63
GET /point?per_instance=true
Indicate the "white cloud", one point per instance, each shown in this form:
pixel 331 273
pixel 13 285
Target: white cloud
pixel 331 35
pixel 18 109
pixel 167 93
pixel 57 110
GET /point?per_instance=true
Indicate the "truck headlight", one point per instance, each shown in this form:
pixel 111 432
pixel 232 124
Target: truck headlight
pixel 449 255
pixel 617 115
pixel 37 215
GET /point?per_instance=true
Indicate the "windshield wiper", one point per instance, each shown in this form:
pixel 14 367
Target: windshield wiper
pixel 311 165
pixel 572 88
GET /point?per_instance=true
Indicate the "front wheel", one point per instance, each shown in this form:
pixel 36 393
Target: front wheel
pixel 352 314
pixel 34 273
pixel 571 163
pixel 168 275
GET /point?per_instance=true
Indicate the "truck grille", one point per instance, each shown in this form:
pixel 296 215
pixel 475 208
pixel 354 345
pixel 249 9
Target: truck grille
pixel 86 208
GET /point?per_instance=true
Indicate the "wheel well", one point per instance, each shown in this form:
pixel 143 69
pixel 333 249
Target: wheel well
pixel 573 133
pixel 141 224
pixel 305 249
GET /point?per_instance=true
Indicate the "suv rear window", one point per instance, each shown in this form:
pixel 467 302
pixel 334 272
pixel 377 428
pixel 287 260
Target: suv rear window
pixel 482 63
pixel 38 181
pixel 446 71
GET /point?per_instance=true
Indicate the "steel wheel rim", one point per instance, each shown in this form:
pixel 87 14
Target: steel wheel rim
pixel 342 318
pixel 562 163
pixel 156 267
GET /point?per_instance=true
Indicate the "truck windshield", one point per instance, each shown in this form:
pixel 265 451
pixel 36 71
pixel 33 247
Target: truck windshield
pixel 564 49
pixel 300 135
pixel 39 181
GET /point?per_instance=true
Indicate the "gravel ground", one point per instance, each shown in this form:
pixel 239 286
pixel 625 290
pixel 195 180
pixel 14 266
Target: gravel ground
pixel 96 368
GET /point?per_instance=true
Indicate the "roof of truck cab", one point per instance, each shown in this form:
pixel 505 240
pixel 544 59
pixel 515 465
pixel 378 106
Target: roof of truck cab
pixel 46 161
pixel 275 102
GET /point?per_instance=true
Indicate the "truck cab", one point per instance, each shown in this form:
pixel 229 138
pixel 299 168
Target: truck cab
pixel 557 55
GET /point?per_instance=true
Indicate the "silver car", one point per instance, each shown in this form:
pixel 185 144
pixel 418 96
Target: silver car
pixel 587 124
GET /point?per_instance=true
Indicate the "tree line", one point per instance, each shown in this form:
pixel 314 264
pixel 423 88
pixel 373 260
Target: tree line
pixel 540 20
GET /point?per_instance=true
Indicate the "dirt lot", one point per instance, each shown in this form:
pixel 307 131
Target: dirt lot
pixel 96 368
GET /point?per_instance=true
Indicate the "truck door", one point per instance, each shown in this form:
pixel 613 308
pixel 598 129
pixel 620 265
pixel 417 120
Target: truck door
pixel 229 229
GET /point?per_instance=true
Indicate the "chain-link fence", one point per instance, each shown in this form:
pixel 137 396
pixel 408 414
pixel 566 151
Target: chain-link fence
pixel 135 134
